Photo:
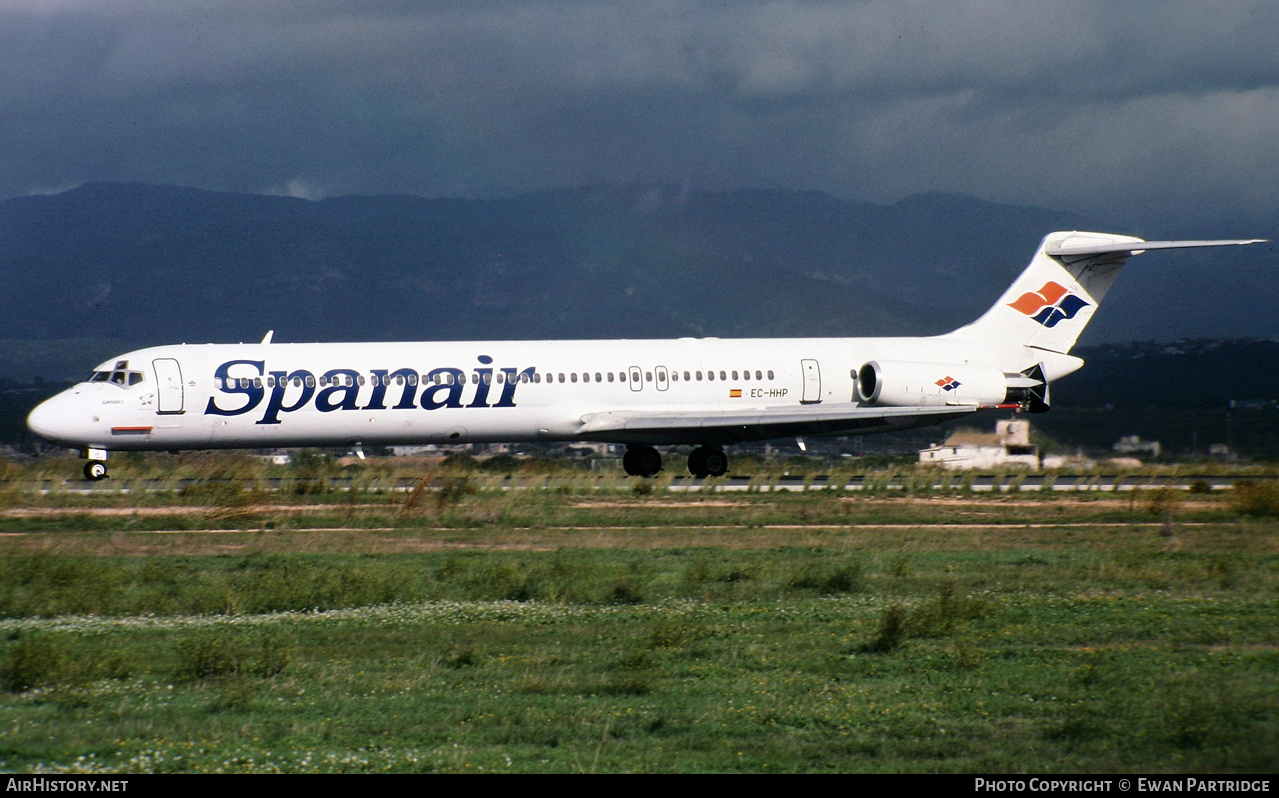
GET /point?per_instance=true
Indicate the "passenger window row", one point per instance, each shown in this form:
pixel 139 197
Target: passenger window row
pixel 448 378
pixel 688 376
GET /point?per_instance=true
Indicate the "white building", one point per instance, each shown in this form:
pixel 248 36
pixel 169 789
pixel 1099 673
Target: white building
pixel 1133 444
pixel 1009 446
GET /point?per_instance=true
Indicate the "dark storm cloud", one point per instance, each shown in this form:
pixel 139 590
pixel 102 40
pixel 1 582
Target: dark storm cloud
pixel 1088 106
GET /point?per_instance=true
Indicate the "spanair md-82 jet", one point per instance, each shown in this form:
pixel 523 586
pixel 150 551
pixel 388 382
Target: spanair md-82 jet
pixel 706 393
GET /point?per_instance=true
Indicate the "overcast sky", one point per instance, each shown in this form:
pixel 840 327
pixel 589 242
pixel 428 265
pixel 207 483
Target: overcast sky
pixel 1091 107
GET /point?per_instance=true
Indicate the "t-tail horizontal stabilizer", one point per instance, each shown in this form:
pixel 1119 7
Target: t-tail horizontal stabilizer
pixel 1054 298
pixel 1073 251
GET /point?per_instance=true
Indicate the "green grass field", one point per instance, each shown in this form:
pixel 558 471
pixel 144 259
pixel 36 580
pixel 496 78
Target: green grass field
pixel 567 629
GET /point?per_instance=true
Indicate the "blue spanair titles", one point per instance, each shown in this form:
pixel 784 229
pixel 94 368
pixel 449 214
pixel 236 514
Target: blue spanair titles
pixel 247 385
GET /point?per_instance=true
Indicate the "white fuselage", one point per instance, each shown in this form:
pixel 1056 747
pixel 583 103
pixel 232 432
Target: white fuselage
pixel 267 395
pixel 706 392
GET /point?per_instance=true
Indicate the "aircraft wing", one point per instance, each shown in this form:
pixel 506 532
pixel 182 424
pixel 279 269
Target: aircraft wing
pixel 757 424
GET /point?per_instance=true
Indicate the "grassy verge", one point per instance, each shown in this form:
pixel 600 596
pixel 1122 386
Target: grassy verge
pixel 549 631
pixel 1027 684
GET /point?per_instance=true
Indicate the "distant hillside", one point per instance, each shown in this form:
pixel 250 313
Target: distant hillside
pixel 139 265
pixel 153 264
pixel 1186 394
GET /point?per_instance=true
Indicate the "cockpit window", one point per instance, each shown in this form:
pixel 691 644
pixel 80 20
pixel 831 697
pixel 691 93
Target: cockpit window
pixel 119 377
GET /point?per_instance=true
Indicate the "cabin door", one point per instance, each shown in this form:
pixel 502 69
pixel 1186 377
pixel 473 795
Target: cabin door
pixel 812 382
pixel 170 396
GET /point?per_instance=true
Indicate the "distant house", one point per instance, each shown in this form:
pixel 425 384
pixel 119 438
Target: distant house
pixel 1133 444
pixel 1009 445
pixel 1222 451
pixel 414 451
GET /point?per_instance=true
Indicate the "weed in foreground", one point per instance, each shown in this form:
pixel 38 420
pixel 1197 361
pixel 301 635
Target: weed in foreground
pixel 827 580
pixel 941 616
pixel 32 660
pixel 216 654
pixel 1256 499
pixel 446 491
pixel 632 674
pixel 462 656
pixel 891 633
pixel 209 654
pixel 225 498
pixel 1224 720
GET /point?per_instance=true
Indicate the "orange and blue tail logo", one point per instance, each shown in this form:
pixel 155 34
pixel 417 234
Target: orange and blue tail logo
pixel 947 383
pixel 1051 304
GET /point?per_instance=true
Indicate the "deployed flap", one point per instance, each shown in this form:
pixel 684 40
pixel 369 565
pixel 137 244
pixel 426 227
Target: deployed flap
pixel 642 426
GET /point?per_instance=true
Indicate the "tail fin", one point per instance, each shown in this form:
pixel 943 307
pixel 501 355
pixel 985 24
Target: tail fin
pixel 1049 305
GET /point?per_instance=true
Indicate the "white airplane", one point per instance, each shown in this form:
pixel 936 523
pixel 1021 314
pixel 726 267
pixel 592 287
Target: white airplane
pixel 705 392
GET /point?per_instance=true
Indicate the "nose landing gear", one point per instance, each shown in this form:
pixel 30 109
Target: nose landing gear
pixel 96 468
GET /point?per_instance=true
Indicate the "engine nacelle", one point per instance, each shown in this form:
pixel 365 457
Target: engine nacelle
pixel 907 384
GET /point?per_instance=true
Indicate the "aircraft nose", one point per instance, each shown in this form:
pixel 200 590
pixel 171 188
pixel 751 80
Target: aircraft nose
pixel 42 420
pixel 50 421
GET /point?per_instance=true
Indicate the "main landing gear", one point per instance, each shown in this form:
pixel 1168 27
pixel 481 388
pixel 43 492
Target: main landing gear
pixel 642 461
pixel 704 461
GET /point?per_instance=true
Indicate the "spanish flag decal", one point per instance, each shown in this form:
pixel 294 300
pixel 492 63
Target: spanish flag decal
pixel 735 393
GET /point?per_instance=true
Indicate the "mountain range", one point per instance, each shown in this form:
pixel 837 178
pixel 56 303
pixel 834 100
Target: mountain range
pixel 112 265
